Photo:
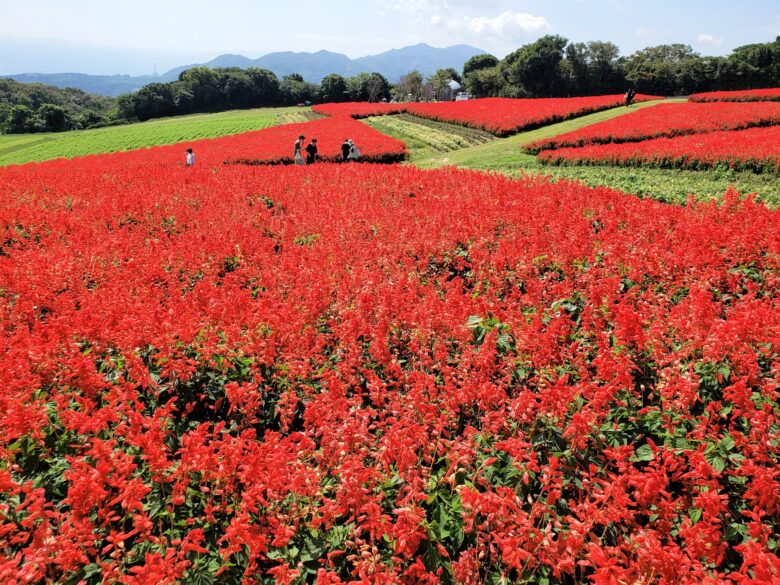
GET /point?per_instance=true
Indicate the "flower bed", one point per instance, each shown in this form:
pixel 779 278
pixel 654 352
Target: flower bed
pixel 751 95
pixel 358 109
pixel 500 116
pixel 756 149
pixel 666 120
pixel 361 373
pixel 275 145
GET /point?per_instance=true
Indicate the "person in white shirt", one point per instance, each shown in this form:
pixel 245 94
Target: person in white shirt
pixel 354 153
pixel 297 156
pixel 190 157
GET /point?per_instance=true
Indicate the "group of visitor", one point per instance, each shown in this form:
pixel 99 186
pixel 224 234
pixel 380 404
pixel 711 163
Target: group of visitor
pixel 349 152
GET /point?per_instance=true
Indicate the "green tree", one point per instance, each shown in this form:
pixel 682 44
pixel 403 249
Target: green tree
pixel 604 68
pixel 478 63
pixel 333 88
pixel 409 87
pixel 488 82
pixel 295 90
pixel 756 65
pixel 265 86
pixel 50 108
pixel 20 119
pixel 154 100
pixel 236 87
pixel 204 85
pixel 377 87
pixel 55 118
pixel 656 70
pixel 576 70
pixel 536 68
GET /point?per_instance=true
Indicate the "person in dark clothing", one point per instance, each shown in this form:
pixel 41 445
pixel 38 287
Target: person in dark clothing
pixel 630 95
pixel 311 152
pixel 345 148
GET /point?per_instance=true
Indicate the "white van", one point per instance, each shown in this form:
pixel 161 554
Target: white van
pixel 461 96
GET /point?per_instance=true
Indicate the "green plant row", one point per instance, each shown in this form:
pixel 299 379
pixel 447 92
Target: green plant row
pixel 438 136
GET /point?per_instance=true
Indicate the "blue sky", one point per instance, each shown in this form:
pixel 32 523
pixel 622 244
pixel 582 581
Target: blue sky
pixel 166 32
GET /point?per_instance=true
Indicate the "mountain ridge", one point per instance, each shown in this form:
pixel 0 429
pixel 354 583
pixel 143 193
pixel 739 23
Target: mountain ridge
pixel 313 66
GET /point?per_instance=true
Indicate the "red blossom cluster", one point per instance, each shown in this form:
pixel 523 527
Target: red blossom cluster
pixel 275 145
pixel 369 374
pixel 500 116
pixel 359 109
pixel 750 95
pixel 756 149
pixel 666 120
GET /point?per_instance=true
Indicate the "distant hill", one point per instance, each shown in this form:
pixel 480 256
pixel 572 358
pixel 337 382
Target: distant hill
pixel 312 66
pixel 107 85
pixel 424 58
pixel 34 107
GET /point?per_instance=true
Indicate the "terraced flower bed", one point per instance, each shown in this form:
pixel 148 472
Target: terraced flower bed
pixel 499 116
pixel 771 94
pixel 755 149
pixel 666 120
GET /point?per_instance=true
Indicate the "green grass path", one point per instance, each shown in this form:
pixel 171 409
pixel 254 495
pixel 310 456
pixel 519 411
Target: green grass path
pixel 674 186
pixel 506 153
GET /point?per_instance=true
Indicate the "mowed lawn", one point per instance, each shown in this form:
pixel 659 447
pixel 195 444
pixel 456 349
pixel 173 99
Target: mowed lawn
pixel 21 148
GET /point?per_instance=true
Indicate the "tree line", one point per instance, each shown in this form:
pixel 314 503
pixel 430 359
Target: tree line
pixel 549 67
pixel 201 89
pixel 554 67
pixel 37 107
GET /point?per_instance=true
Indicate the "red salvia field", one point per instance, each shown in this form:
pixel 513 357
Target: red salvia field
pixel 360 109
pixel 376 374
pixel 750 95
pixel 500 116
pixel 756 149
pixel 275 145
pixel 667 120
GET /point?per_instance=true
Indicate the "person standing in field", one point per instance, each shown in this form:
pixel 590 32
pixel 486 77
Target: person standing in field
pixel 297 156
pixel 345 148
pixel 630 94
pixel 354 153
pixel 311 152
pixel 190 160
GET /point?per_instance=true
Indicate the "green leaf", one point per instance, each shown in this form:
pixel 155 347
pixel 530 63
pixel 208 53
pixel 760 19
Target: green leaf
pixel 644 453
pixel 718 464
pixel 202 577
pixel 91 570
pixel 695 514
pixel 473 321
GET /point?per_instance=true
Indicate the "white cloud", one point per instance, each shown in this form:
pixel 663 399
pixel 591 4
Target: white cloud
pixel 707 39
pixel 504 27
pixel 419 6
pixel 642 32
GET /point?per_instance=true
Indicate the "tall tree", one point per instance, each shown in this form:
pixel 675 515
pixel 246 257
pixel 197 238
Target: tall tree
pixel 377 87
pixel 333 88
pixel 536 67
pixel 478 63
pixel 409 87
